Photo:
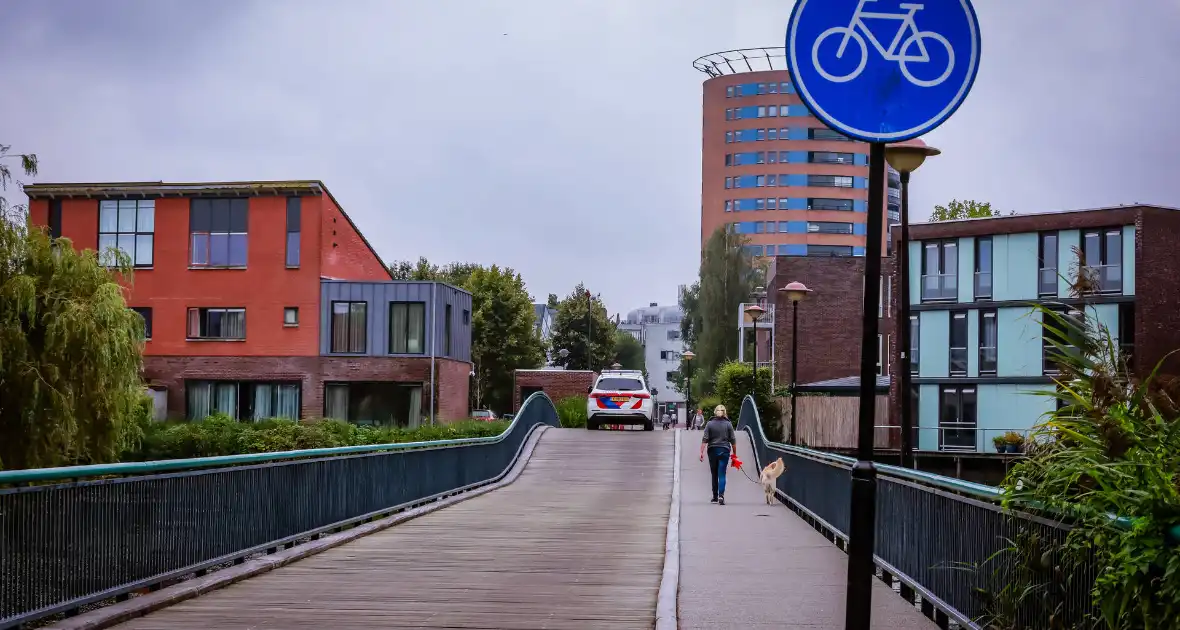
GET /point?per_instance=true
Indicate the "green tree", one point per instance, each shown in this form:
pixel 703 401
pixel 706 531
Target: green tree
pixel 421 270
pixel 965 209
pixel 504 333
pixel 690 304
pixel 553 301
pixel 628 351
pixel 569 332
pixel 727 278
pixel 70 351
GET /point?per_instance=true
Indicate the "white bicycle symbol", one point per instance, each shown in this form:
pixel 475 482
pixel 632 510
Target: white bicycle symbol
pixel 897 51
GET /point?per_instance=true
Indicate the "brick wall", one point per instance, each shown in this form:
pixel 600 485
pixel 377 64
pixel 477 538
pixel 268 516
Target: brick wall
pixel 1157 289
pixel 557 384
pixel 829 318
pixel 345 254
pixel 451 377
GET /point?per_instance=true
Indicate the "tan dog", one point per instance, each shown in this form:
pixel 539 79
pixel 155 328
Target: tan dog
pixel 770 476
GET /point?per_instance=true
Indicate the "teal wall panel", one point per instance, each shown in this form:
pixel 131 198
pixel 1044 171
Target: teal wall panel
pixel 934 345
pixel 1019 342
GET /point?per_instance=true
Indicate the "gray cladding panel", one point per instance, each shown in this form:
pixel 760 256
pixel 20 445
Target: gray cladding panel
pixel 378 296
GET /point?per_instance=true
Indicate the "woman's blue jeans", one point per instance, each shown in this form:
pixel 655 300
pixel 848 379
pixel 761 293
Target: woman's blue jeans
pixel 718 463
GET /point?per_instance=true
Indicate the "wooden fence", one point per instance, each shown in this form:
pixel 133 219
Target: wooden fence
pixel 831 421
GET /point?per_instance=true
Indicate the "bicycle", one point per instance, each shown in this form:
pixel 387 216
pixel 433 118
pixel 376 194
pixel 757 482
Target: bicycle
pixel 897 50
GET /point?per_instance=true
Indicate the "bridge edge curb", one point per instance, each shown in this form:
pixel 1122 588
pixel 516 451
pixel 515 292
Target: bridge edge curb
pixel 667 599
pixel 144 605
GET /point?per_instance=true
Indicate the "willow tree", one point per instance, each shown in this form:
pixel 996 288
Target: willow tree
pixel 70 353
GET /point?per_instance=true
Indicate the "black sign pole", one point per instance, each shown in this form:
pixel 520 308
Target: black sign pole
pixel 863 515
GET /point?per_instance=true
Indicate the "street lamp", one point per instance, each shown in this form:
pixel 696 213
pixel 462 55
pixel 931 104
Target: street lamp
pixel 616 366
pixel 755 312
pixel 795 292
pixel 905 159
pixel 688 356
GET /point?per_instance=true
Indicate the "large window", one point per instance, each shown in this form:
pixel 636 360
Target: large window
pixel 407 327
pixel 1103 250
pixel 447 350
pixel 243 400
pixel 915 336
pixel 375 404
pixel 988 343
pixel 882 347
pixel 957 419
pixel 958 344
pixel 294 223
pixel 1047 264
pixel 829 157
pixel 983 267
pixel 830 181
pixel 829 250
pixel 146 313
pixel 218 230
pixel 350 327
pixel 217 323
pixel 1127 330
pixel 827 134
pixel 128 225
pixel 829 227
pixel 940 270
pixel 1057 337
pixel 820 203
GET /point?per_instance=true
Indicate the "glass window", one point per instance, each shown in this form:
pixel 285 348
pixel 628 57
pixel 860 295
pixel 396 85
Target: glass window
pixel 294 220
pixel 829 204
pixel 830 181
pixel 940 263
pixel 957 419
pixel 1058 337
pixel 145 312
pixel 915 337
pixel 829 157
pixel 958 344
pixel 349 327
pixel 829 227
pixel 291 316
pixel 447 338
pixel 619 384
pixel 218 229
pixel 1047 273
pixel 129 226
pixel 988 342
pixel 216 323
pixel 243 400
pixel 983 267
pixel 829 250
pixel 1103 251
pixel 1127 330
pixel 407 327
pixel 827 134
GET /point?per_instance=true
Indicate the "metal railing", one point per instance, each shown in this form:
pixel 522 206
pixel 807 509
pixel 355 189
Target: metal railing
pixel 958 437
pixel 70 537
pixel 940 286
pixel 938 539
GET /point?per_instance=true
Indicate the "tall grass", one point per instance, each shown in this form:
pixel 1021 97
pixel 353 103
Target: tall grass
pixel 572 412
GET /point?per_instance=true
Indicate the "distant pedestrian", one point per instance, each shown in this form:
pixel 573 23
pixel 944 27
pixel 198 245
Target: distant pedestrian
pixel 719 441
pixel 666 420
pixel 698 420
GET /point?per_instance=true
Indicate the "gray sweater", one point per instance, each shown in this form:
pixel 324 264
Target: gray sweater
pixel 719 432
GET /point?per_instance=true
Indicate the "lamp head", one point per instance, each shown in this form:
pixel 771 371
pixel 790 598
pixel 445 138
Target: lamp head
pixel 689 355
pixel 906 158
pixel 795 291
pixel 755 312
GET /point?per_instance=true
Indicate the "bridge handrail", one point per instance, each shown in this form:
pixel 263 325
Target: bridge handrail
pixel 122 469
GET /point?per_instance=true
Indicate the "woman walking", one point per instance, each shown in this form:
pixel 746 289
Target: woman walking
pixel 719 441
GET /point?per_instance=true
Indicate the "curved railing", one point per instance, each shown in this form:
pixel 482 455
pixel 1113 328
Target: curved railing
pixel 932 532
pixel 74 536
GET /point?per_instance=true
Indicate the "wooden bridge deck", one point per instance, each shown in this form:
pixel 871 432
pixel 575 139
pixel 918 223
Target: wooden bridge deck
pixel 576 542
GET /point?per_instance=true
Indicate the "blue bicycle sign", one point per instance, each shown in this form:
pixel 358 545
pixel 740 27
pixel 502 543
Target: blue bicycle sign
pixel 883 70
pixel 899 51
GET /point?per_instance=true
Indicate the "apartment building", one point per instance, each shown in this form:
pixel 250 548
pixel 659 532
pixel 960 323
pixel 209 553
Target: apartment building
pixel 657 328
pixel 264 299
pixel 979 355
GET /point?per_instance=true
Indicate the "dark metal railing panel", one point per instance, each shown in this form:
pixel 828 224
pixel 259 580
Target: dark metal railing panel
pixel 64 545
pixel 944 537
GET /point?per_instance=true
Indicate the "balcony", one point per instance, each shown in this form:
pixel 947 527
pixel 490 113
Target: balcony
pixel 941 287
pixel 983 284
pixel 1107 278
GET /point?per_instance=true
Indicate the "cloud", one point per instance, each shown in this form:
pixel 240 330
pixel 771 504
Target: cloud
pixel 558 138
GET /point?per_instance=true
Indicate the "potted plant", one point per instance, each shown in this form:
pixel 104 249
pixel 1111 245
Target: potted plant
pixel 1000 443
pixel 1015 442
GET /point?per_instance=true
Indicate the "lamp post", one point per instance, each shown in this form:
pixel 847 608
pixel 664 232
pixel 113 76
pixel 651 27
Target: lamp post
pixel 905 159
pixel 795 291
pixel 688 356
pixel 755 312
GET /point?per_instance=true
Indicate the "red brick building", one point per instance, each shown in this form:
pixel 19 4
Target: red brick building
pixel 264 299
pixel 557 384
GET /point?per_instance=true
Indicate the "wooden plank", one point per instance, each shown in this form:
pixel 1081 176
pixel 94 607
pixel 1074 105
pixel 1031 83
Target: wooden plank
pixel 576 542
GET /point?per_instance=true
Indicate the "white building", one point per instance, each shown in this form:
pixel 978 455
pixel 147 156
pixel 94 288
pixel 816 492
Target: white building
pixel 658 329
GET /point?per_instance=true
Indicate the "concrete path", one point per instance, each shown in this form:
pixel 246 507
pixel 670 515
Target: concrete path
pixel 755 566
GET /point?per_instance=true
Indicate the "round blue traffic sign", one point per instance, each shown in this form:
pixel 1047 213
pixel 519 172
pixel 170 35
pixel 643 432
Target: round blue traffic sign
pixel 883 70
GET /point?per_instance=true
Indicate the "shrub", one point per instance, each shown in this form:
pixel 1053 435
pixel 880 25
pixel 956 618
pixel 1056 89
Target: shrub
pixel 736 380
pixel 572 411
pixel 707 404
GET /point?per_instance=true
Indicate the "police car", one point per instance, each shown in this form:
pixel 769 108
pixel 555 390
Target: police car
pixel 620 397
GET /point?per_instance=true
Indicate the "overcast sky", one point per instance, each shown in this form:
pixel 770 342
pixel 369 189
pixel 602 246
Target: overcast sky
pixel 557 137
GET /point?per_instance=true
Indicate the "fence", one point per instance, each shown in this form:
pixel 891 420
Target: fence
pixel 74 536
pixel 831 421
pixel 942 539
